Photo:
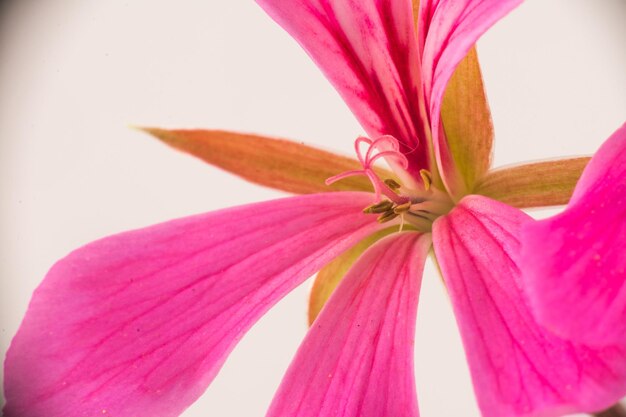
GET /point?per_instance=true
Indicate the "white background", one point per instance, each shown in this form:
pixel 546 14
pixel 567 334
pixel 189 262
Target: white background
pixel 74 74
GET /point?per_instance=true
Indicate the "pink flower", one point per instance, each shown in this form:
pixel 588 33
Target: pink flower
pixel 576 263
pixel 140 323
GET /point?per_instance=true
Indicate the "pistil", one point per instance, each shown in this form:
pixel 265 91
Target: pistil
pixel 416 207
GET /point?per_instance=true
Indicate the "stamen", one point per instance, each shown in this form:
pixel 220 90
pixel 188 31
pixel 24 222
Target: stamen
pixel 402 208
pixel 387 216
pixel 427 178
pixel 391 183
pixel 377 208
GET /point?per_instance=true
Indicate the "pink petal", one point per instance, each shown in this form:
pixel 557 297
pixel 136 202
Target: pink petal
pixel 518 367
pixel 368 50
pixel 447 31
pixel 357 359
pixel 575 263
pixel 138 324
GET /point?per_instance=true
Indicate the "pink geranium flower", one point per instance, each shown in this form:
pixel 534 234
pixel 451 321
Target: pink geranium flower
pixel 140 323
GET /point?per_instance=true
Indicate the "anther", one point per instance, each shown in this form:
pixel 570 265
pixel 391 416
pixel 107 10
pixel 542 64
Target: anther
pixel 391 183
pixel 402 208
pixel 427 178
pixel 377 208
pixel 387 216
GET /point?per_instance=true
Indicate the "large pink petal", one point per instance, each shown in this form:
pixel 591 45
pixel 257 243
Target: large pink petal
pixel 447 31
pixel 138 324
pixel 357 360
pixel 575 262
pixel 368 50
pixel 518 367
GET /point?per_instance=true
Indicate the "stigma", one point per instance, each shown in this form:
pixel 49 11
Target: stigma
pixel 395 202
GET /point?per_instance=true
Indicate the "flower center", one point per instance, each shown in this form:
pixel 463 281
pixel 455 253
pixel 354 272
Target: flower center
pixel 395 202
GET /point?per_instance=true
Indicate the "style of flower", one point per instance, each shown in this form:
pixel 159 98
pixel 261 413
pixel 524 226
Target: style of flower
pixel 140 323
